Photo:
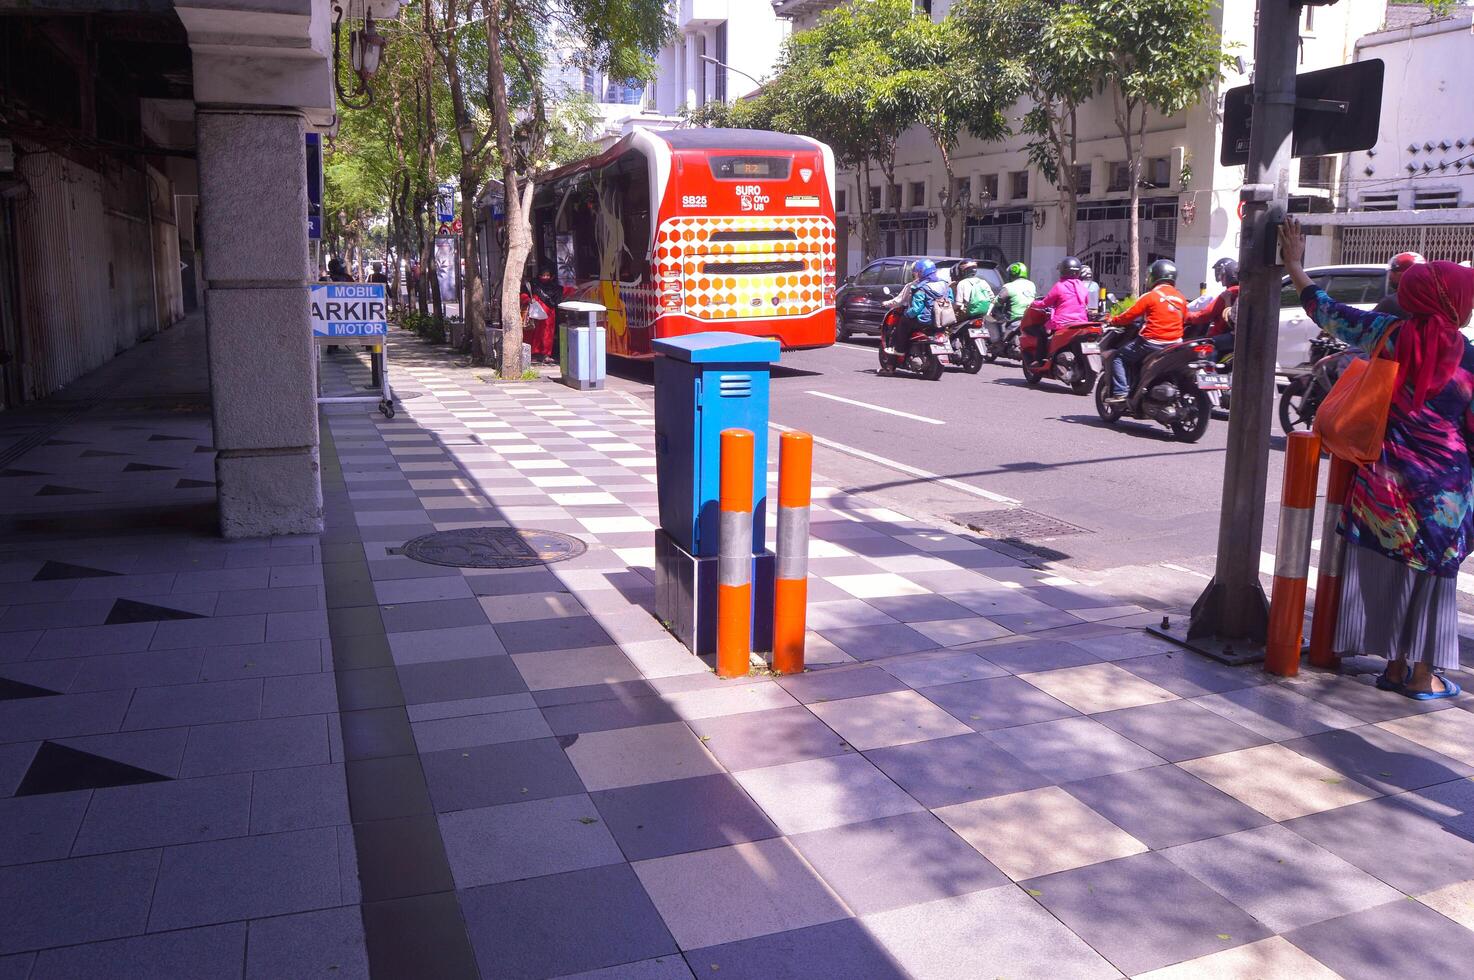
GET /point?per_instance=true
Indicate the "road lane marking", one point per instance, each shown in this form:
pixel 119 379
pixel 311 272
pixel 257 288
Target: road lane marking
pixel 877 408
pixel 916 471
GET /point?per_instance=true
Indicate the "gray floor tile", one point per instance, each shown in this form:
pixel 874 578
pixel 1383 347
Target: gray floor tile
pixel 1426 855
pixel 452 680
pixel 88 641
pixel 263 660
pixel 561 633
pixel 932 671
pixel 246 878
pixel 488 845
pixel 1178 730
pixel 1000 932
pixel 301 694
pixel 671 967
pixel 194 704
pixel 843 948
pixel 820 793
pixel 1399 939
pixel 216 631
pixel 1189 675
pixel 298 625
pixel 1142 912
pixel 834 685
pixel 944 771
pixel 1280 878
pixel 1358 697
pixel 1164 805
pixel 64 716
pixel 919 608
pixel 15 759
pixel 896 861
pixel 997 702
pixel 490 774
pixel 1073 748
pixel 160 751
pixel 107 898
pixel 1377 758
pixel 679 815
pixel 768 738
pixel 1027 655
pixel 252 601
pixel 504 726
pixel 566 923
pixel 244 746
pixel 155 814
pixel 147 669
pixel 873 642
pixel 40 828
pixel 441 614
pixel 1276 712
pixel 631 756
pixel 456 643
pixel 299 798
pixel 215 951
pixel 620 711
pixel 329 943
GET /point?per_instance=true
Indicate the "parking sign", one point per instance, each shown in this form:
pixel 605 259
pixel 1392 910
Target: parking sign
pixel 347 310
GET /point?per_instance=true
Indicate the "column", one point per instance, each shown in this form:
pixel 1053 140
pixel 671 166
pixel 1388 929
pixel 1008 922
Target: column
pixel 253 207
pixel 693 70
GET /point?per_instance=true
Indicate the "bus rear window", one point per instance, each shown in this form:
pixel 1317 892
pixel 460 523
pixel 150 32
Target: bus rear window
pixel 770 235
pixel 750 168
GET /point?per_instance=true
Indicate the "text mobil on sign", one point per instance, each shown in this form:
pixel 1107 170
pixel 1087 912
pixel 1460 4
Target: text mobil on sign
pixel 349 310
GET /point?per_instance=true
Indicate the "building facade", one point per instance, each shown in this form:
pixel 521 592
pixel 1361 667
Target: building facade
pixel 1010 212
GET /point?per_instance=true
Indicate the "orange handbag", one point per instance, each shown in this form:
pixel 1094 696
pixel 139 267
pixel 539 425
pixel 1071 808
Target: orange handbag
pixel 1352 421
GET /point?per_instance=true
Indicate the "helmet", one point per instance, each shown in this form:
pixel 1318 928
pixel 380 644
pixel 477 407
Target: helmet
pixel 1086 272
pixel 964 269
pixel 1018 271
pixel 1163 270
pixel 1403 261
pixel 1227 271
pixel 1070 268
pixel 1218 267
pixel 925 269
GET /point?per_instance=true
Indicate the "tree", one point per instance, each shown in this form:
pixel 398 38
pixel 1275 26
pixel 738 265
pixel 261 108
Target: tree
pixel 619 37
pixel 1151 55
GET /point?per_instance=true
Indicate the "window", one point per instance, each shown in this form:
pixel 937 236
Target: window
pixel 1435 200
pixel 1120 177
pixel 1158 172
pixel 870 275
pixel 1289 297
pixel 1316 172
pixel 841 201
pixel 891 274
pixel 918 194
pixel 1082 178
pixel 874 197
pixel 1357 290
pixel 1018 182
pixel 719 71
pixel 1307 20
pixel 990 188
pixel 624 93
pixel 1379 202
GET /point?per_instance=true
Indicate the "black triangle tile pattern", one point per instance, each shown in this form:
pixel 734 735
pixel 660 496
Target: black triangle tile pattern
pixel 133 611
pixel 58 769
pixel 204 449
pixel 14 472
pixel 96 453
pixel 146 468
pixel 193 484
pixel 53 570
pixel 52 490
pixel 157 437
pixel 19 690
pixel 63 442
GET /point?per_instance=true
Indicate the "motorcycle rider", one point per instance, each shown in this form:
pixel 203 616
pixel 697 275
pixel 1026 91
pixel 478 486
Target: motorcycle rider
pixel 927 286
pixel 1087 276
pixel 1165 310
pixel 1401 262
pixel 974 296
pixel 1221 316
pixel 1066 302
pixel 1016 295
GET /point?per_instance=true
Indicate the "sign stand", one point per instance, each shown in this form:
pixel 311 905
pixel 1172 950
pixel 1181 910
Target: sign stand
pixel 350 311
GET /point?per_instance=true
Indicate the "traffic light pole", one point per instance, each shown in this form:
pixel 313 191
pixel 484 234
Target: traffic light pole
pixel 1233 610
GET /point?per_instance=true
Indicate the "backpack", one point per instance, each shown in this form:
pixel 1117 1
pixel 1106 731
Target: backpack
pixel 943 313
pixel 981 300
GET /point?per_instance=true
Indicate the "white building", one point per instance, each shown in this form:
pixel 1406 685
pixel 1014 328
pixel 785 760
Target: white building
pixel 722 51
pixel 1012 213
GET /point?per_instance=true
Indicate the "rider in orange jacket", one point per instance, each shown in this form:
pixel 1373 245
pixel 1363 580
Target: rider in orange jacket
pixel 1165 310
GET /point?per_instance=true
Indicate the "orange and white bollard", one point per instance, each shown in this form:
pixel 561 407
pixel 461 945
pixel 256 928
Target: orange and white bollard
pixel 1292 555
pixel 734 556
pixel 791 585
pixel 1332 564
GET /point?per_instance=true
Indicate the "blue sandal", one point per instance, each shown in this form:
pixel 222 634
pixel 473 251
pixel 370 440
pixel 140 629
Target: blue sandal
pixel 1450 690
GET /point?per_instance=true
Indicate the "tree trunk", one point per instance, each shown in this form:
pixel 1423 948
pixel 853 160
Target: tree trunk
pixel 517 198
pixel 473 310
pixel 1133 169
pixel 1072 197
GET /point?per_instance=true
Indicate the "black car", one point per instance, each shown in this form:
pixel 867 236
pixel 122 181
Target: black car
pixel 860 302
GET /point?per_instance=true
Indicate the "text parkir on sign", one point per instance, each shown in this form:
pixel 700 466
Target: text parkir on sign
pixel 349 310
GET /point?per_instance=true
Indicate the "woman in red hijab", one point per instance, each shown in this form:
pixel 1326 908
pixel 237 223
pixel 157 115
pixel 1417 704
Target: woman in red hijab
pixel 1410 515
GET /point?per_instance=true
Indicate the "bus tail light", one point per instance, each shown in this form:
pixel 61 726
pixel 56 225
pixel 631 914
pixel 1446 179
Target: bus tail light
pixel 829 288
pixel 670 292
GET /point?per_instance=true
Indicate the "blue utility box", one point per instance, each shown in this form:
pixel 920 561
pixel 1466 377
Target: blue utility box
pixel 704 383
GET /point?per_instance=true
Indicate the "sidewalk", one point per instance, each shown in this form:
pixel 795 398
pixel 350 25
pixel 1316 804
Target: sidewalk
pixel 311 757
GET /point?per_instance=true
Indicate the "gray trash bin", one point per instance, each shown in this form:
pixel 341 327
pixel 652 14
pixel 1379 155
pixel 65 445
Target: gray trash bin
pixel 581 346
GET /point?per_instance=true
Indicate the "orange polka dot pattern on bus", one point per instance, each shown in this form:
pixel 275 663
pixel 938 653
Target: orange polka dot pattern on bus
pixel 723 280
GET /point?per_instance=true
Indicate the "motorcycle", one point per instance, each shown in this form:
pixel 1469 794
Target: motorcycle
pixel 1310 384
pixel 968 344
pixel 1001 340
pixel 1172 386
pixel 1069 356
pixel 926 351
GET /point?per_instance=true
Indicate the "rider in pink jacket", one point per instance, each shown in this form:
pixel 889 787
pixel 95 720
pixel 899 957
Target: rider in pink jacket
pixel 1067 300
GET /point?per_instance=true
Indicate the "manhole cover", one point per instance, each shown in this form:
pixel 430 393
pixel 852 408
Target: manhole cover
pixel 1018 523
pixel 401 396
pixel 493 547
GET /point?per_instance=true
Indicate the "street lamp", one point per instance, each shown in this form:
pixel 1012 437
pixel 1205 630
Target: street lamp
pixel 365 50
pixel 722 64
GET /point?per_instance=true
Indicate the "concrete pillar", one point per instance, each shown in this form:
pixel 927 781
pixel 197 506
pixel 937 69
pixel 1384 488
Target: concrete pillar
pixel 693 70
pixel 253 207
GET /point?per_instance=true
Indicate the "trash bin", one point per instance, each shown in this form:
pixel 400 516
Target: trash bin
pixel 581 346
pixel 704 383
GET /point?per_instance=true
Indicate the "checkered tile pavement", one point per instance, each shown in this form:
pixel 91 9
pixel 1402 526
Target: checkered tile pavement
pixel 990 771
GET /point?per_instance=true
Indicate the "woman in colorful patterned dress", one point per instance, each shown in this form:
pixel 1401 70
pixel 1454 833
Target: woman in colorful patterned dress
pixel 1410 515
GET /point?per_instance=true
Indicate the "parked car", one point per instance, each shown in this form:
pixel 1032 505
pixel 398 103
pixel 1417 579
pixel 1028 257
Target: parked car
pixel 860 302
pixel 1361 286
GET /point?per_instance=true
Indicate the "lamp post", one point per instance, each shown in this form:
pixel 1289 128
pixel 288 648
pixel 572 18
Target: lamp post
pixel 722 64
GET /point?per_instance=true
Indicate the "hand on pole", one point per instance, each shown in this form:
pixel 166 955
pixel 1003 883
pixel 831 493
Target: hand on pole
pixel 1292 251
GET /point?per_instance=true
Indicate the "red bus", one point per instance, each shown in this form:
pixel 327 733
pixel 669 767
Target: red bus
pixel 686 230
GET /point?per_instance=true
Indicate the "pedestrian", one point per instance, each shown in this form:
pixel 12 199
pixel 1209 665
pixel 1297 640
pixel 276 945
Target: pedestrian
pixel 378 274
pixel 337 271
pixel 413 279
pixel 543 296
pixel 1409 518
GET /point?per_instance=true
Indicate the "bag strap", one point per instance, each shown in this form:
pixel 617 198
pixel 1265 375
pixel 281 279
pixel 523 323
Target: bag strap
pixel 1381 345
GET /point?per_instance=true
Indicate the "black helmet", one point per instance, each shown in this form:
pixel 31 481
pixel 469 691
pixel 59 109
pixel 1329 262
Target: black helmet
pixel 1070 267
pixel 964 269
pixel 1229 273
pixel 1163 270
